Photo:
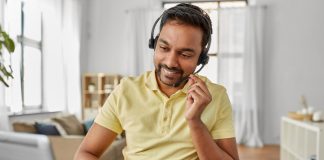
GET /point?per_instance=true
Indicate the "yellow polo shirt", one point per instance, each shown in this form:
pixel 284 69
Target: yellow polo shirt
pixel 155 125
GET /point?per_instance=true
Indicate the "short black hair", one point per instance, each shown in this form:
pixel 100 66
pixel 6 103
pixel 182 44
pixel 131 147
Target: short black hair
pixel 192 15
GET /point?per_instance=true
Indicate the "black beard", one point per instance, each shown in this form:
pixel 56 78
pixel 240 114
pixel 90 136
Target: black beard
pixel 175 69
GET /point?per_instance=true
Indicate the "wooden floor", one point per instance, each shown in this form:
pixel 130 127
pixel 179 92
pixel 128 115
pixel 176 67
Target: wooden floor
pixel 268 152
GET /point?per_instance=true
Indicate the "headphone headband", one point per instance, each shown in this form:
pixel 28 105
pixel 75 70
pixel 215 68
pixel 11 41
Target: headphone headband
pixel 152 40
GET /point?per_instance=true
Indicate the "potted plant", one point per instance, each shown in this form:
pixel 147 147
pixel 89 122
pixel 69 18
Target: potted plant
pixel 5 70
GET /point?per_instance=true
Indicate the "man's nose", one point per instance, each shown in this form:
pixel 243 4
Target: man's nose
pixel 171 59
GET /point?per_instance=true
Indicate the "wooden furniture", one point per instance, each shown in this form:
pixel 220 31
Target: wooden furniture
pixel 95 89
pixel 267 152
pixel 301 140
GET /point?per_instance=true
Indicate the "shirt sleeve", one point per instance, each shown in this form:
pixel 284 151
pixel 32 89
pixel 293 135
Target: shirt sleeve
pixel 108 115
pixel 223 126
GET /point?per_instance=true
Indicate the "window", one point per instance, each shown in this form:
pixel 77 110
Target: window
pixel 39 65
pixel 212 8
pixel 31 53
pixel 28 55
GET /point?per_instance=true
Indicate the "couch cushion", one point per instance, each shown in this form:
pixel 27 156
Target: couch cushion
pixel 24 127
pixel 46 129
pixel 64 147
pixel 71 124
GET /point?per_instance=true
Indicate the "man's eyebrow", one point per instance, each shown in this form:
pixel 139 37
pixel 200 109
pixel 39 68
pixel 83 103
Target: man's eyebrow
pixel 187 50
pixel 163 41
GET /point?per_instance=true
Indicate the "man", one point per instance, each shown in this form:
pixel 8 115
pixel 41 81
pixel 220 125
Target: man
pixel 169 113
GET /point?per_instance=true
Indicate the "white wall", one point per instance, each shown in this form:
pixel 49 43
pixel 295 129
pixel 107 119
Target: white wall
pixel 2 11
pixel 293 60
pixel 105 34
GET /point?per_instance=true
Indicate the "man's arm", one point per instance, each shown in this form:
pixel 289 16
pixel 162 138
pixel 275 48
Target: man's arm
pixel 207 148
pixel 95 143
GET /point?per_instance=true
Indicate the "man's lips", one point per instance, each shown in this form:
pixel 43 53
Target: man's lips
pixel 170 73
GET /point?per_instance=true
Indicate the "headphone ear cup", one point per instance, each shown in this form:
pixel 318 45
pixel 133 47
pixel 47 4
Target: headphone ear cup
pixel 203 58
pixel 151 43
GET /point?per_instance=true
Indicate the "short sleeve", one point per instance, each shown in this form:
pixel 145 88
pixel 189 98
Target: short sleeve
pixel 108 116
pixel 223 126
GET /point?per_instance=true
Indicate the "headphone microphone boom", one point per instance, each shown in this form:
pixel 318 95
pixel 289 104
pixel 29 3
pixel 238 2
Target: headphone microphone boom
pixel 183 79
pixel 203 57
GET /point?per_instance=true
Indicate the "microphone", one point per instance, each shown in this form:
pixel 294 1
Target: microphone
pixel 183 79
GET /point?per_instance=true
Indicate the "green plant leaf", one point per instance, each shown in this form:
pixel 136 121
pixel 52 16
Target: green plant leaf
pixel 5 35
pixel 9 44
pixel 6 73
pixel 3 81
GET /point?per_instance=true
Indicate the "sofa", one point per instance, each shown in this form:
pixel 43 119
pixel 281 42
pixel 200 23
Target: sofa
pixel 66 133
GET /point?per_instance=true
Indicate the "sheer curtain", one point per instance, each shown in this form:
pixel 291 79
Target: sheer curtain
pixel 72 14
pixel 53 78
pixel 240 55
pixel 138 31
pixel 62 41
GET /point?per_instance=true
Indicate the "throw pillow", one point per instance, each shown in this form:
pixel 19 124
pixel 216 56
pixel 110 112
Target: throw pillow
pixel 87 125
pixel 24 127
pixel 59 128
pixel 46 129
pixel 71 124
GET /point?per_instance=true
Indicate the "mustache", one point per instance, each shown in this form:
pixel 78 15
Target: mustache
pixel 172 69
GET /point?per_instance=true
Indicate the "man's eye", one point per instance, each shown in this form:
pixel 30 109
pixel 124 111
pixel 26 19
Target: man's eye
pixel 185 55
pixel 163 48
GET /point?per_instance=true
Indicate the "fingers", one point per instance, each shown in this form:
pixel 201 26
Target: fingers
pixel 198 97
pixel 190 81
pixel 197 94
pixel 199 84
pixel 195 88
pixel 190 99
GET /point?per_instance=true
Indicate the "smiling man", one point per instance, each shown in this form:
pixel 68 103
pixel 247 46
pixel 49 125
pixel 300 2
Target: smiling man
pixel 169 113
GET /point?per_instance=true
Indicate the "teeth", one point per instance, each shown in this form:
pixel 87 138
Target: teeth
pixel 169 72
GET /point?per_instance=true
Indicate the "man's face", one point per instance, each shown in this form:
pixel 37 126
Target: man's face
pixel 177 52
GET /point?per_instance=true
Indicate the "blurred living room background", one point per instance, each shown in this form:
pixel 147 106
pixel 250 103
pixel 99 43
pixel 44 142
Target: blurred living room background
pixel 70 54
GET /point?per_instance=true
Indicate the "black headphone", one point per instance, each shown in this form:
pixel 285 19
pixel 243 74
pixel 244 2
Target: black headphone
pixel 203 58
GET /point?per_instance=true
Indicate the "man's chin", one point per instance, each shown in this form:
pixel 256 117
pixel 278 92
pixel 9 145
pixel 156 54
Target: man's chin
pixel 174 83
pixel 167 80
pixel 168 83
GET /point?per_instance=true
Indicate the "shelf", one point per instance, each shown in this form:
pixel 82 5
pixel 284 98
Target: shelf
pixel 96 87
pixel 305 124
pixel 296 155
pixel 301 140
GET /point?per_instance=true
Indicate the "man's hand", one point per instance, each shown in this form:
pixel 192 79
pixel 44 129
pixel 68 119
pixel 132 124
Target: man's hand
pixel 197 99
pixel 207 148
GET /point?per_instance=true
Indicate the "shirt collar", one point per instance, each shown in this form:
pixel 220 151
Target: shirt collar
pixel 151 82
pixel 185 88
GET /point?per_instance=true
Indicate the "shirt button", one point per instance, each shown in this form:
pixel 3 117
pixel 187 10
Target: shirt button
pixel 165 118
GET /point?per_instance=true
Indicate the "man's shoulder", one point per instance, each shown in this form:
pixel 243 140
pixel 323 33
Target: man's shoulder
pixel 135 80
